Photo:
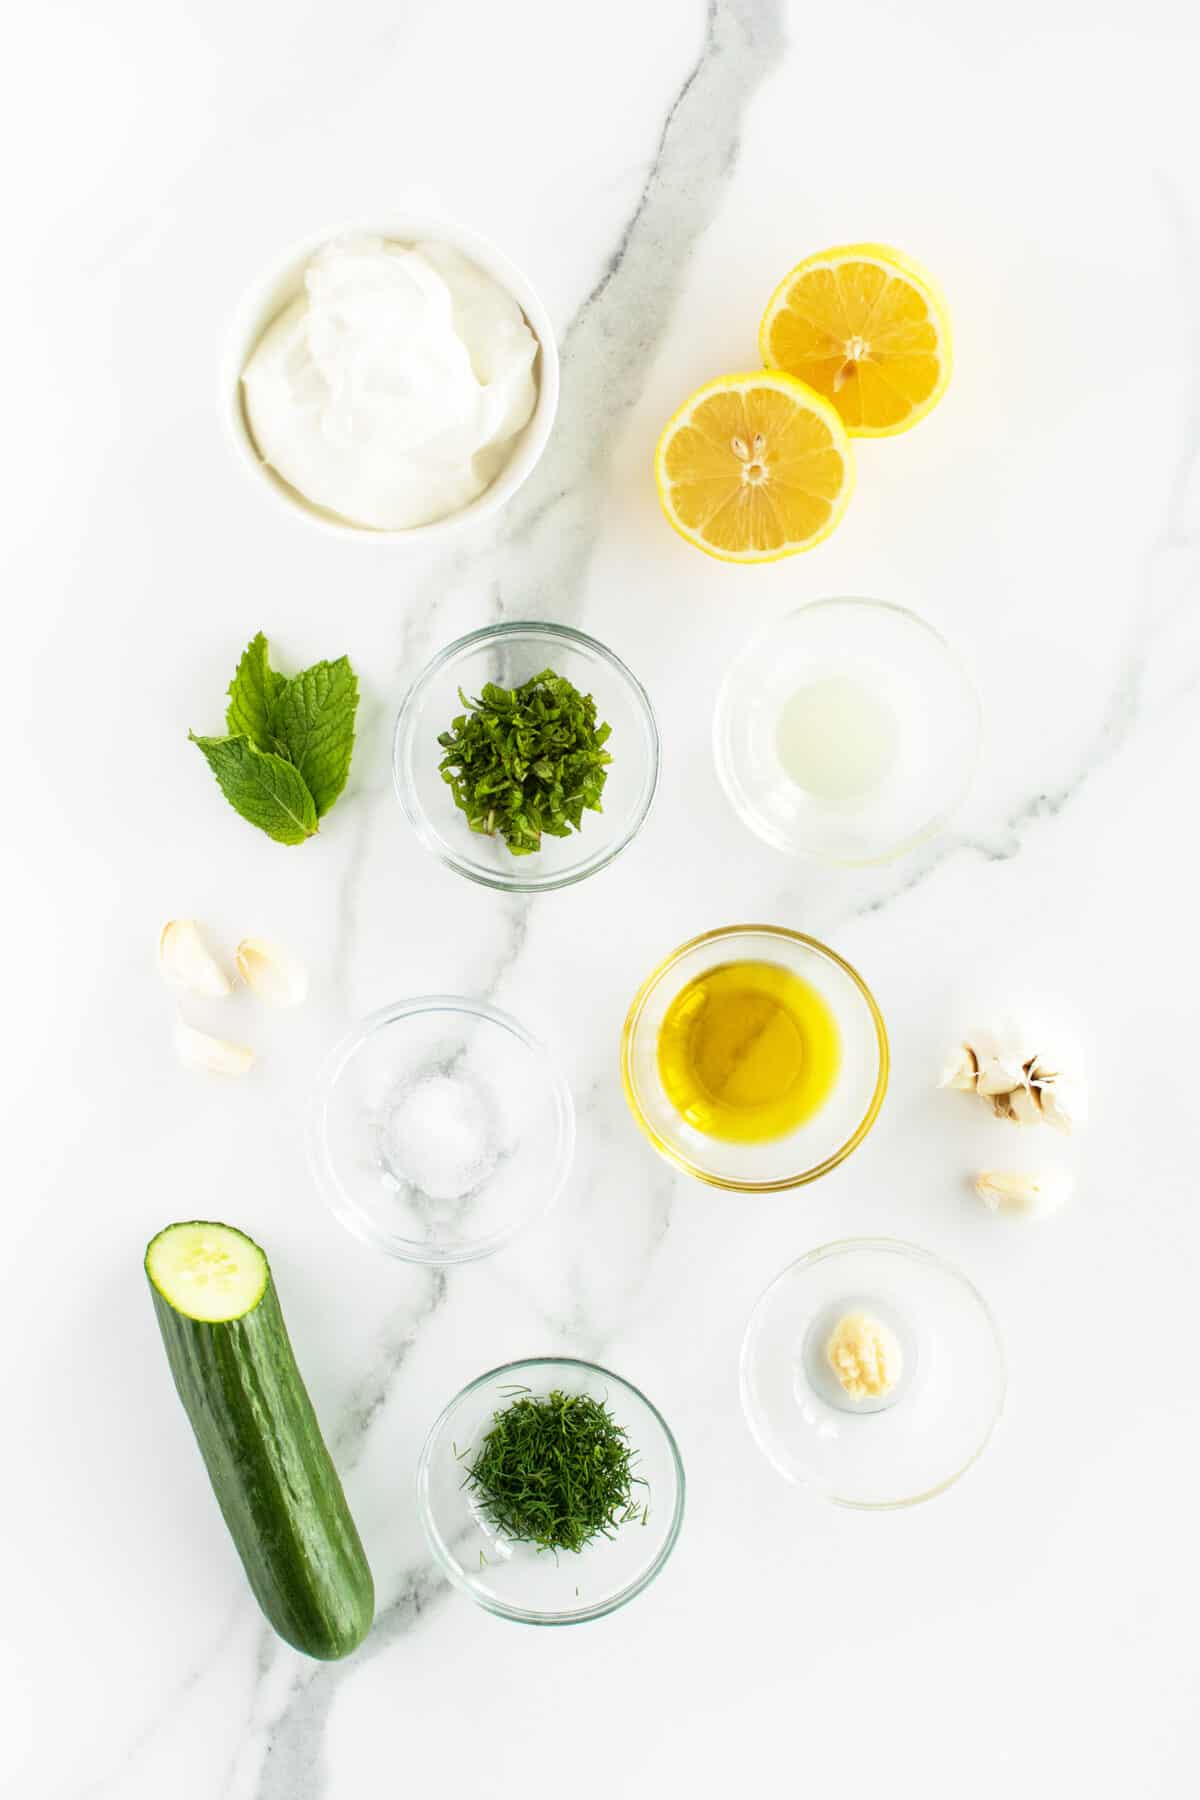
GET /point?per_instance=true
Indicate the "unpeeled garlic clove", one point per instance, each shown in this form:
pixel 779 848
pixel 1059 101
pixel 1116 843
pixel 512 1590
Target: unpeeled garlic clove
pixel 197 1050
pixel 961 1069
pixel 272 972
pixel 1019 1107
pixel 1064 1101
pixel 1024 1107
pixel 185 961
pixel 1001 1056
pixel 1031 1195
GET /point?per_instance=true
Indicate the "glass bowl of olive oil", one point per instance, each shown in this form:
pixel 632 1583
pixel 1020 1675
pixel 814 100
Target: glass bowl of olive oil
pixel 755 1058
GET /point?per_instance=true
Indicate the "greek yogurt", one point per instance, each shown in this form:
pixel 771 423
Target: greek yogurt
pixel 392 390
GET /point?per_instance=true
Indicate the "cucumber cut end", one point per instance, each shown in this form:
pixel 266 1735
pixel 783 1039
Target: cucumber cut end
pixel 207 1271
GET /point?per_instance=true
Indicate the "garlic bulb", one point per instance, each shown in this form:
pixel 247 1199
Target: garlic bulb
pixel 1018 1080
pixel 186 961
pixel 1034 1196
pixel 197 1050
pixel 271 971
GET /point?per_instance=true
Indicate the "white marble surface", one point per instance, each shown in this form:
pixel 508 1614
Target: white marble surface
pixel 655 168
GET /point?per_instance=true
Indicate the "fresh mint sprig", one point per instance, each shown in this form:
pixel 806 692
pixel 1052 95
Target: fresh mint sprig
pixel 288 744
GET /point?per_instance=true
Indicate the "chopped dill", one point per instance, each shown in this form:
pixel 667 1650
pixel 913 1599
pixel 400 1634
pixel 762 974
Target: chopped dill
pixel 556 1472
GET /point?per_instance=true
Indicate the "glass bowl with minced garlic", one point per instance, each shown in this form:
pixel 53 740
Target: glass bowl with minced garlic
pixel 526 756
pixel 551 1491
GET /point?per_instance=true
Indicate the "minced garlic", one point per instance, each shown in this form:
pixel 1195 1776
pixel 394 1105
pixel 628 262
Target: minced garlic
pixel 865 1355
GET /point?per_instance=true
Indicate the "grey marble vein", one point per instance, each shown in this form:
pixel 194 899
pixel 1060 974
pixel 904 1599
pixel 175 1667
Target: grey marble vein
pixel 551 530
pixel 545 539
pixel 1166 600
pixel 615 334
pixel 293 1758
pixel 371 1393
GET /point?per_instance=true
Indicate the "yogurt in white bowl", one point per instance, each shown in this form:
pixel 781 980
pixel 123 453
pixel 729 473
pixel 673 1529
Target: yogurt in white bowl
pixel 394 381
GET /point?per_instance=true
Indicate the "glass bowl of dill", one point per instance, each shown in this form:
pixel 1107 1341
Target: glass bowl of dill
pixel 526 756
pixel 551 1491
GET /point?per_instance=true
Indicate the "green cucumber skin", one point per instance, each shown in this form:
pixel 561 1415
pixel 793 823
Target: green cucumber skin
pixel 272 1474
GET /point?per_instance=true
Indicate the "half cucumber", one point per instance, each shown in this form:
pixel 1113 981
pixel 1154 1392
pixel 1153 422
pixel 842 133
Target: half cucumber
pixel 275 1482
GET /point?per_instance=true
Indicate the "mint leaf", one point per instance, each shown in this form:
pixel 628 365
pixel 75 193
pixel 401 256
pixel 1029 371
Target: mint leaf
pixel 252 696
pixel 264 788
pixel 313 721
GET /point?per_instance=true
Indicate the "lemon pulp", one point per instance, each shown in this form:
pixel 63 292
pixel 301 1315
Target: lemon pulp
pixel 866 327
pixel 754 467
pixel 748 1051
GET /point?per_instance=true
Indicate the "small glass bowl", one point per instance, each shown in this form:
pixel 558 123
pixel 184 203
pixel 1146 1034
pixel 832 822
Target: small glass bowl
pixel 518 1581
pixel 824 1140
pixel 499 1114
pixel 887 679
pixel 508 655
pixel 887 1452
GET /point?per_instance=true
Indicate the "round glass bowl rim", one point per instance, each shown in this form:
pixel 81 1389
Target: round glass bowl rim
pixel 418 819
pixel 915 1253
pixel 453 1570
pixel 732 786
pixel 676 1156
pixel 329 1183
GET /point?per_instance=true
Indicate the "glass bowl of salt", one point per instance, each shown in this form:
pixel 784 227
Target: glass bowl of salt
pixel 440 1128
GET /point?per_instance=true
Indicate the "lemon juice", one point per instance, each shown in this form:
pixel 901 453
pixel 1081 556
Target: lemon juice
pixel 837 739
pixel 748 1051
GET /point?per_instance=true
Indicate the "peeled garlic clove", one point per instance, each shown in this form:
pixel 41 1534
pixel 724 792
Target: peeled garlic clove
pixel 1064 1102
pixel 1034 1196
pixel 961 1069
pixel 197 1050
pixel 273 972
pixel 185 960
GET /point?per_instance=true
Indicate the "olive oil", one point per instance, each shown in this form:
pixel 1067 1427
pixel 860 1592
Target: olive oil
pixel 748 1051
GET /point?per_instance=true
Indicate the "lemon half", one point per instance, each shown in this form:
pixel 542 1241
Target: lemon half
pixel 866 327
pixel 754 467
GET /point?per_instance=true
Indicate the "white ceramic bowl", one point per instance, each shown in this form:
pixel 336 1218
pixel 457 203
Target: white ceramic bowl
pixel 280 284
